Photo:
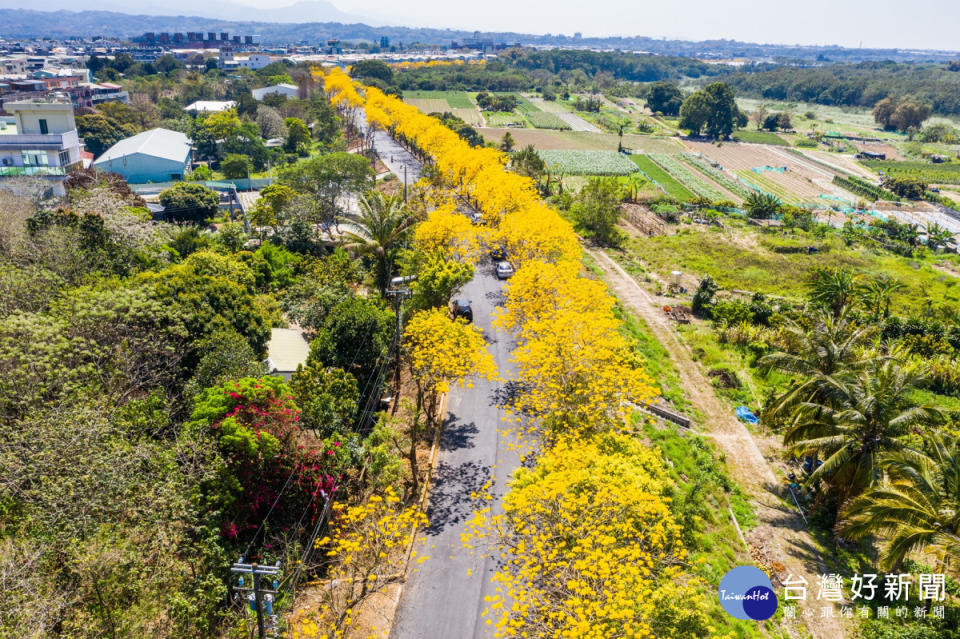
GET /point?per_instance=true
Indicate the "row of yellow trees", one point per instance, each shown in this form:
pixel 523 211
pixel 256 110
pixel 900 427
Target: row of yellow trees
pixel 589 544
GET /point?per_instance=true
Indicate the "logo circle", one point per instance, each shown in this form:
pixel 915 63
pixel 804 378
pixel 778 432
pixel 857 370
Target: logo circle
pixel 746 593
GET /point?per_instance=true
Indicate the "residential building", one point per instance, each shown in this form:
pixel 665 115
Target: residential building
pixel 157 155
pixel 209 106
pixel 289 90
pixel 40 139
pixel 254 62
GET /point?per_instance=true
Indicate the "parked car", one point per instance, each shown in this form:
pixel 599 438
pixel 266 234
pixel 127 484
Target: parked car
pixel 462 308
pixel 498 254
pixel 504 270
pixel 477 218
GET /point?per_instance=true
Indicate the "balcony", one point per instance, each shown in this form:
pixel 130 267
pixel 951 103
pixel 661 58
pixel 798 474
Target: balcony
pixel 19 171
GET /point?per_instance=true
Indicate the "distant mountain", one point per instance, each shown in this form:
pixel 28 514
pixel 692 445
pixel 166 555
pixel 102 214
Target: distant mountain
pixel 302 11
pixel 238 20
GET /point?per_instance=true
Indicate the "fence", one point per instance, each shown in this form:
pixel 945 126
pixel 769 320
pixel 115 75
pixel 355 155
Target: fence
pixel 240 184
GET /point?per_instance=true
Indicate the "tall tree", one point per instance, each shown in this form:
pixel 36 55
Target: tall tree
pixel 382 228
pixel 917 508
pixel 857 422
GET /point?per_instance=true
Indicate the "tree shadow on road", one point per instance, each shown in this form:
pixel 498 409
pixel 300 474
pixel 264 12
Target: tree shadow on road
pixel 457 434
pixel 452 493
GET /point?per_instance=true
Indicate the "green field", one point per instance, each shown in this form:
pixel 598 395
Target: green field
pixel 455 99
pixel 541 120
pixel 759 137
pixel 661 177
pixel 929 173
pixel 589 162
pixel 503 118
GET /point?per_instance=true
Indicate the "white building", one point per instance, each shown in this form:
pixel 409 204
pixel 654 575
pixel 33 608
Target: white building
pixel 40 140
pixel 254 61
pixel 289 90
pixel 209 106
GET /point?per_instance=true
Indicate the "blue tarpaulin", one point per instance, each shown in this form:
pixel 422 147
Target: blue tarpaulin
pixel 746 415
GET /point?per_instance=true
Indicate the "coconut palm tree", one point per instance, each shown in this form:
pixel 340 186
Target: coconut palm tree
pixel 817 354
pixel 856 420
pixel 917 508
pixel 835 289
pixel 877 292
pixel 381 229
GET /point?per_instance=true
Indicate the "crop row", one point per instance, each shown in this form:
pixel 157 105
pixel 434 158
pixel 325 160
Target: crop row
pixel 588 162
pixel 689 179
pixel 661 178
pixel 544 120
pixel 929 173
pixel 768 186
pixel 864 189
pixel 717 175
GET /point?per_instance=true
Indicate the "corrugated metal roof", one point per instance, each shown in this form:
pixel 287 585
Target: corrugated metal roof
pixel 161 143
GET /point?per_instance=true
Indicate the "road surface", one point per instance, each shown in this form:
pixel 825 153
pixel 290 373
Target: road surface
pixel 443 599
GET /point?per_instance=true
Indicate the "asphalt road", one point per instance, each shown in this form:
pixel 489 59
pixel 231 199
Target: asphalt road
pixel 444 598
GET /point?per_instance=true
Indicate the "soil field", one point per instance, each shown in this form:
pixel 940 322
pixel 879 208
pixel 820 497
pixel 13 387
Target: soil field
pixel 840 162
pixel 470 116
pixel 802 182
pixel 574 140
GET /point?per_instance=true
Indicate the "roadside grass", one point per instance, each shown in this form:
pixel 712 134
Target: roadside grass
pixel 701 496
pixel 656 360
pixel 661 177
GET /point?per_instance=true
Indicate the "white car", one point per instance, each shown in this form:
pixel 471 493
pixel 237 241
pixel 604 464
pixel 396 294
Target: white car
pixel 504 270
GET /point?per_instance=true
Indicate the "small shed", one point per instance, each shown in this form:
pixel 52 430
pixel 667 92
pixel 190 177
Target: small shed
pixel 209 106
pixel 287 350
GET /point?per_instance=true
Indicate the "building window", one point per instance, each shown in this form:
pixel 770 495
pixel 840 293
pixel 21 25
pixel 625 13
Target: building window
pixel 35 158
pixel 43 127
pixel 64 158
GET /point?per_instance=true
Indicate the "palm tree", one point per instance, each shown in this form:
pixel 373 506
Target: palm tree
pixel 831 345
pixel 762 205
pixel 917 508
pixel 380 231
pixel 938 236
pixel 856 420
pixel 877 293
pixel 833 288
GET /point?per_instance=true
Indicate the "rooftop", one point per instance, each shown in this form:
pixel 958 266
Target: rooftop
pixel 287 349
pixel 163 143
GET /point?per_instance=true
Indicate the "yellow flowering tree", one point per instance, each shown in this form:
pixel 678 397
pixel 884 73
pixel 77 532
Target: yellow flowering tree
pixel 448 231
pixel 441 351
pixel 368 550
pixel 591 549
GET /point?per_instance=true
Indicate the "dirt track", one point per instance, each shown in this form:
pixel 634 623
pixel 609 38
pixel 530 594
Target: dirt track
pixel 781 535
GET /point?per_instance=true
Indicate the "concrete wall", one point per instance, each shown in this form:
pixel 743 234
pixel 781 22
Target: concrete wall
pixel 139 168
pixel 59 117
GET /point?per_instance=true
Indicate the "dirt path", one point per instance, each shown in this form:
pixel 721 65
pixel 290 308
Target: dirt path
pixel 781 536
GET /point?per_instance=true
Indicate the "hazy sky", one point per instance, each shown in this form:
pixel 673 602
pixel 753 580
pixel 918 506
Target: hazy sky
pixel 875 23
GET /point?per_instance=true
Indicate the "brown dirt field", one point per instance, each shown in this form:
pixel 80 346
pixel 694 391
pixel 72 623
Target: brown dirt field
pixel 879 147
pixel 844 162
pixel 785 539
pixel 802 179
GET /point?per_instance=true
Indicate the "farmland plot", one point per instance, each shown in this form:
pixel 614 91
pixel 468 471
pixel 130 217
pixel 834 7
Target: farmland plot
pixel 775 171
pixel 693 181
pixel 581 140
pixel 429 105
pixel 664 180
pixel 589 162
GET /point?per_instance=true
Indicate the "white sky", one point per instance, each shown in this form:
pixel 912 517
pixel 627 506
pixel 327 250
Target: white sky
pixel 933 24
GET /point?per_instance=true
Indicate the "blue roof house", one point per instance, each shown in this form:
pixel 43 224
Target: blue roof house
pixel 157 155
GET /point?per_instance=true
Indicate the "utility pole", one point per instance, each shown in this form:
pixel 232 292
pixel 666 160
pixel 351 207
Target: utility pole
pixel 260 599
pixel 404 183
pixel 398 291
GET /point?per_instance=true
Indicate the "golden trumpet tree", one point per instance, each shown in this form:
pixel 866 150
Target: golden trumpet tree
pixel 589 548
pixel 441 351
pixel 449 232
pixel 368 550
